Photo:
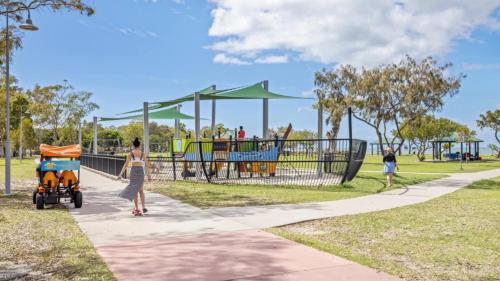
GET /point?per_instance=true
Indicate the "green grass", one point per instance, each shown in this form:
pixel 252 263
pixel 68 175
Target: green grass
pixel 454 237
pixel 218 195
pixel 19 171
pixel 410 163
pixel 48 241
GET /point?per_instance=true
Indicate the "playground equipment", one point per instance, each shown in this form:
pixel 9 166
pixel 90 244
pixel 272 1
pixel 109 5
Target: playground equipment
pixel 57 177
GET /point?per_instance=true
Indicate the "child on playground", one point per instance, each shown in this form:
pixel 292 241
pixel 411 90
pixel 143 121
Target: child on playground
pixel 390 165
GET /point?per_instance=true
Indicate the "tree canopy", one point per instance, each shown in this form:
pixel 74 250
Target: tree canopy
pixel 491 120
pixel 422 130
pixel 386 96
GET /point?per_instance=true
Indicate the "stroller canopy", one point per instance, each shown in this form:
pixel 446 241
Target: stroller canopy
pixel 69 151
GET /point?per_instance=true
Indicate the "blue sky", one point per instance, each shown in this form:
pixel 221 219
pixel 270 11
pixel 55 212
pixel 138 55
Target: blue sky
pixel 143 50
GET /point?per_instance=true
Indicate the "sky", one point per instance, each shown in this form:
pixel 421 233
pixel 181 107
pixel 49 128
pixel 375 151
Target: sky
pixel 131 51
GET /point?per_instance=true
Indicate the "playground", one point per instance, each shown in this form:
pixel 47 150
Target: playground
pixel 268 160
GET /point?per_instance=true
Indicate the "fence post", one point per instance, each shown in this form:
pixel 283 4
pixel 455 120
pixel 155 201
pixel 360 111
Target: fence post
pixel 95 135
pixel 230 150
pixel 173 157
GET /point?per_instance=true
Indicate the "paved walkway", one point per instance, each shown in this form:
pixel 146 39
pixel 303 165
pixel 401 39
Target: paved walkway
pixel 176 241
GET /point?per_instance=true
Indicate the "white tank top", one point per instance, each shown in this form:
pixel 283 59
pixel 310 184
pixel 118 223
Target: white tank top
pixel 140 160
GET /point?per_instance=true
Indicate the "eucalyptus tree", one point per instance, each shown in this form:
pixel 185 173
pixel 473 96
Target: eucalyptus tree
pixel 17 9
pixel 491 120
pixel 56 106
pixel 333 88
pixel 423 129
pixel 391 96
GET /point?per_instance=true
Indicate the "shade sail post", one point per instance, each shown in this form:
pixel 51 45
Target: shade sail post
pixel 265 111
pixel 197 134
pixel 197 116
pixel 213 113
pixel 94 127
pixel 146 128
pixel 319 171
pixel 177 123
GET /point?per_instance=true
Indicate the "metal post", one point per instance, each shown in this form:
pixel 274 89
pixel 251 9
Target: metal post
pixel 197 116
pixel 197 134
pixel 213 113
pixel 265 112
pixel 146 128
pixel 80 134
pixel 461 155
pixel 177 133
pixel 21 137
pixel 7 101
pixel 95 135
pixel 349 155
pixel 319 171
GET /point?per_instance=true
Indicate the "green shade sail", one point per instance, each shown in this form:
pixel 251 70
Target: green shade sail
pixel 255 91
pixel 165 114
pixel 204 95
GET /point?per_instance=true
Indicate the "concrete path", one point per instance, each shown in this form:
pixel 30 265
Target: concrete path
pixel 176 241
pixel 260 217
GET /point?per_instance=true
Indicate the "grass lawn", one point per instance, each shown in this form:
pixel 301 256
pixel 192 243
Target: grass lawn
pixel 19 171
pixel 47 243
pixel 454 237
pixel 218 195
pixel 410 163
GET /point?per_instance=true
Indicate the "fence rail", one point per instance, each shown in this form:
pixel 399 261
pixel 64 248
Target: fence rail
pixel 314 162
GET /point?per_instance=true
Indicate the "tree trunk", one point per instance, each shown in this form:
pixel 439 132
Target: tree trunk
pixel 334 131
pixel 380 141
pixel 421 151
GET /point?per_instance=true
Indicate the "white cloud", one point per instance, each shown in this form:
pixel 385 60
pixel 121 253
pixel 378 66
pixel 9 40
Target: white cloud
pixel 359 32
pixel 127 31
pixel 224 59
pixel 272 59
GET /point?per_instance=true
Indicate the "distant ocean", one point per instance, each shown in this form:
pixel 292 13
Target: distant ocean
pixel 485 150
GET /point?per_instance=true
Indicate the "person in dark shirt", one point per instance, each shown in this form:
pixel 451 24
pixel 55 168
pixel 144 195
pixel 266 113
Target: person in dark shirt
pixel 390 164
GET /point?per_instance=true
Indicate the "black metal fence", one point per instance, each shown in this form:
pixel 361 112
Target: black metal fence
pixel 274 162
pixel 108 164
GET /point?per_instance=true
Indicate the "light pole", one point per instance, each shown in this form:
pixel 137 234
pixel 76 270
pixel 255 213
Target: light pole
pixel 28 25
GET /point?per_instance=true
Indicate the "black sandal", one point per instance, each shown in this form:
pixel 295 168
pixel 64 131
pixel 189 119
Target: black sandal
pixel 144 210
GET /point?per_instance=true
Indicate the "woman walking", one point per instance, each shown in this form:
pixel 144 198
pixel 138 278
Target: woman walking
pixel 390 165
pixel 140 166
